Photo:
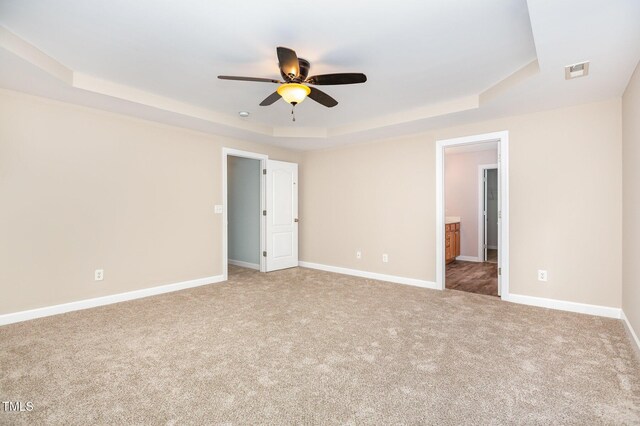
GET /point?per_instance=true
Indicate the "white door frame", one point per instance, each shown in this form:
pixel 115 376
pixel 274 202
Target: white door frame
pixel 503 169
pixel 226 152
pixel 481 202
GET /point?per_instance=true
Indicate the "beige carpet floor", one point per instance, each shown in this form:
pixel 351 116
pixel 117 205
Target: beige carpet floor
pixel 309 347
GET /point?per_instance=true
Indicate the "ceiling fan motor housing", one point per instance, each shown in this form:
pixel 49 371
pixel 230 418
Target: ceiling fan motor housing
pixel 304 71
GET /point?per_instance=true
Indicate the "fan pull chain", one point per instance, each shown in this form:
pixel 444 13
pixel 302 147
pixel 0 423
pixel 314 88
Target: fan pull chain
pixel 293 108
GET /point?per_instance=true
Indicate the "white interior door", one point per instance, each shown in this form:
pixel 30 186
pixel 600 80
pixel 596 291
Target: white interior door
pixel 282 215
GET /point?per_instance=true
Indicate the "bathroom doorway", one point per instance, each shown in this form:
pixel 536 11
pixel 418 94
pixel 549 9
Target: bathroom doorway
pixel 488 208
pixel 472 214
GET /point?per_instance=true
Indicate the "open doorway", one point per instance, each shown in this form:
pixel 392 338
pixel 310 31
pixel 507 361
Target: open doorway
pixel 488 195
pixel 244 197
pixel 472 214
pixel 467 223
pixel 243 212
pixel 260 213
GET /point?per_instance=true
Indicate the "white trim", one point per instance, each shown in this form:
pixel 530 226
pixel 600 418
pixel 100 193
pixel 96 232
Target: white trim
pixel 225 231
pixel 105 300
pixel 503 165
pixel 631 330
pixel 242 264
pixel 583 308
pixel 563 305
pixel 481 200
pixel 372 275
pixel 469 258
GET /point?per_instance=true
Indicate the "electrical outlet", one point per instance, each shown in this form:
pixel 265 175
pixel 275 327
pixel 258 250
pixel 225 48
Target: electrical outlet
pixel 385 258
pixel 217 209
pixel 98 275
pixel 542 275
pixel 358 254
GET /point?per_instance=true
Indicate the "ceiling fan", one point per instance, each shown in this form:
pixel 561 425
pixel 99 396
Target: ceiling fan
pixel 294 89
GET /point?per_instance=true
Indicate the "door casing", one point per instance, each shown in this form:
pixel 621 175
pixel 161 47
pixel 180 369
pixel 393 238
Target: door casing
pixel 502 138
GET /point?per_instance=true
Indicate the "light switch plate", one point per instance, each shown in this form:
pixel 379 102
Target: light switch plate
pixel 218 209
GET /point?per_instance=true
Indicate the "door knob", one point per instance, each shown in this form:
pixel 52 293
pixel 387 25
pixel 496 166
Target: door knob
pixel 295 220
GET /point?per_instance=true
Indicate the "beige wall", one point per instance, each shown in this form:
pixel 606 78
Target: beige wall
pixel 462 197
pixel 631 201
pixel 566 198
pixel 83 189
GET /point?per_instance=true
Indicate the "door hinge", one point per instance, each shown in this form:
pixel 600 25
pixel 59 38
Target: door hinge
pixel 500 215
pixel 264 254
pixel 264 171
pixel 499 271
pixel 264 212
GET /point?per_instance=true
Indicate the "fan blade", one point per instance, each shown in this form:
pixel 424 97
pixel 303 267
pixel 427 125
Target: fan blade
pixel 232 77
pixel 288 61
pixel 270 99
pixel 322 98
pixel 333 79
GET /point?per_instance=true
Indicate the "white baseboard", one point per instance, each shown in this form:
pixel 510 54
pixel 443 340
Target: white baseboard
pixel 372 275
pixel 562 305
pixel 631 330
pixel 469 258
pixel 105 300
pixel 583 308
pixel 244 264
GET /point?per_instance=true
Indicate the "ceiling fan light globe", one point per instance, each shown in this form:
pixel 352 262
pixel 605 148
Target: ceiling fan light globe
pixel 293 92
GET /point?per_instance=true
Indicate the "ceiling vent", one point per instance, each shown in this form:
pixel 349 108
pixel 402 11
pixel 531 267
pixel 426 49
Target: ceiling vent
pixel 576 70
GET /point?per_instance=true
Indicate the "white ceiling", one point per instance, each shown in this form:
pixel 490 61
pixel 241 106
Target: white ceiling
pixel 429 63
